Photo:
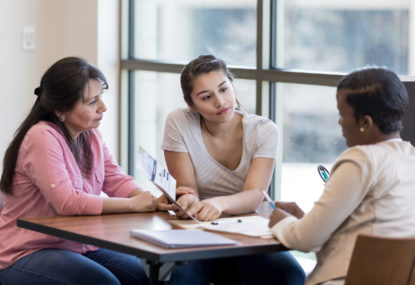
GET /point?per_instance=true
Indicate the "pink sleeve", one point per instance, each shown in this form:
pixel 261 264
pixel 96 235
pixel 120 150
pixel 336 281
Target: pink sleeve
pixel 116 182
pixel 52 168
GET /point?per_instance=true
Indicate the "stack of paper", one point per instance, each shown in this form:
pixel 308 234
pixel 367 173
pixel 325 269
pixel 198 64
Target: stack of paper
pixel 254 226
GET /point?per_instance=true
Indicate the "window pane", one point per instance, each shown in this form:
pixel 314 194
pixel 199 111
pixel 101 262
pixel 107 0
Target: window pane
pixel 310 135
pixel 245 93
pixel 340 36
pixel 180 30
pixel 156 95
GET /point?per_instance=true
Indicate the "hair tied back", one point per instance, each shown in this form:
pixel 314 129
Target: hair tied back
pixel 38 91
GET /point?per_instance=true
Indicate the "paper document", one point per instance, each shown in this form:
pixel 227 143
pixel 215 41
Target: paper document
pixel 157 173
pixel 254 226
pixel 181 238
pixel 160 176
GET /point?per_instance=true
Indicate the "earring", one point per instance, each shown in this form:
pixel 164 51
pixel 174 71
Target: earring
pixel 362 130
pixel 61 117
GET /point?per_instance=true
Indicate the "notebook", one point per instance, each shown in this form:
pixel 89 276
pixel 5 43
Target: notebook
pixel 176 238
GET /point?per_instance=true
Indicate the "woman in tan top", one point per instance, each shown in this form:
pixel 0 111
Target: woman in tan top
pixel 371 187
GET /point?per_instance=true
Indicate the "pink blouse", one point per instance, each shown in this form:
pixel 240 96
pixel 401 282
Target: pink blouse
pixel 48 182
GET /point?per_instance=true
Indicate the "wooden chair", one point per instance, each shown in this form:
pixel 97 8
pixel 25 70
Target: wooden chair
pixel 382 261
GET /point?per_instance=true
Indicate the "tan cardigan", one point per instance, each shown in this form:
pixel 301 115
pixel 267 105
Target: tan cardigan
pixel 371 191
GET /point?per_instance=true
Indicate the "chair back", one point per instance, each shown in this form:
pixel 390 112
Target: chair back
pixel 382 261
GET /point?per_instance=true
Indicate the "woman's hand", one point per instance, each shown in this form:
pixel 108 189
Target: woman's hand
pixel 283 210
pixel 163 203
pixel 291 208
pixel 190 203
pixel 143 202
pixel 276 216
pixel 209 211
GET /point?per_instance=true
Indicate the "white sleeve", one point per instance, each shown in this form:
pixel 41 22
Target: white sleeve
pixel 267 140
pixel 344 191
pixel 173 139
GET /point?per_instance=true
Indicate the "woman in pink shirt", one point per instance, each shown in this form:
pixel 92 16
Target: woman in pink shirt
pixel 58 164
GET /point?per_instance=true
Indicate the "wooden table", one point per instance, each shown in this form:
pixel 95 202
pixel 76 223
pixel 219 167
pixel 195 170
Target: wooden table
pixel 112 232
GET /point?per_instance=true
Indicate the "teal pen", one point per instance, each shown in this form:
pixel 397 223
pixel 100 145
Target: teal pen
pixel 269 199
pixel 323 172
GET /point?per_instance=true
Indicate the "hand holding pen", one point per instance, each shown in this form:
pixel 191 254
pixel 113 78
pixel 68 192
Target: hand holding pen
pixel 282 210
pixel 285 209
pixel 269 199
pixel 289 207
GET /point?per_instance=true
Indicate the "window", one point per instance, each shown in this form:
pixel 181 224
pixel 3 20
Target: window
pixel 308 122
pixel 178 31
pixel 287 57
pixel 343 35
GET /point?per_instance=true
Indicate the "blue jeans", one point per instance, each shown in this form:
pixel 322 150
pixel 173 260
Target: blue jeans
pixel 272 268
pixel 59 266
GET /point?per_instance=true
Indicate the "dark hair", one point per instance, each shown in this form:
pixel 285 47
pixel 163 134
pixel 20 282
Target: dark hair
pixel 201 65
pixel 379 93
pixel 61 87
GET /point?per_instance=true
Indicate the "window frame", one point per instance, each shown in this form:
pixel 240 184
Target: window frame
pixel 264 74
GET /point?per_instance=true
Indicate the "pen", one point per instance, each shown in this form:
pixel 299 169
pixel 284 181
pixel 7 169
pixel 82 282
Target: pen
pixel 269 199
pixel 217 223
pixel 323 172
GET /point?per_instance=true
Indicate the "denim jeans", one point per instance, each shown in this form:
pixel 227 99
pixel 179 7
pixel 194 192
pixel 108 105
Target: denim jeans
pixel 272 268
pixel 59 266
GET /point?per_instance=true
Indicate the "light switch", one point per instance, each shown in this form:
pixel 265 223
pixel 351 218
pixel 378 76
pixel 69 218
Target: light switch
pixel 29 42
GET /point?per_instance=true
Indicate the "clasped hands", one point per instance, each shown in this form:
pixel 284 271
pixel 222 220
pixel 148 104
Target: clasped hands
pixel 205 210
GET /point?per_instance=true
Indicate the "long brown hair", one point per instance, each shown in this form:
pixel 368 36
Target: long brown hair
pixel 61 87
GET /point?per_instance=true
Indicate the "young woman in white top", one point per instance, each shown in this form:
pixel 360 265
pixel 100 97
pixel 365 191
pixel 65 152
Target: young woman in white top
pixel 371 187
pixel 222 158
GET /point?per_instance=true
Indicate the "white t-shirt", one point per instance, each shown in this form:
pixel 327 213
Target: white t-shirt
pixel 183 133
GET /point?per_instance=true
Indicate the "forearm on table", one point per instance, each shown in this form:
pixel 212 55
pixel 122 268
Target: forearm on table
pixel 116 205
pixel 244 202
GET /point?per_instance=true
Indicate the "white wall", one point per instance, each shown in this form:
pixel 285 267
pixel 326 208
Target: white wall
pixel 108 61
pixel 85 28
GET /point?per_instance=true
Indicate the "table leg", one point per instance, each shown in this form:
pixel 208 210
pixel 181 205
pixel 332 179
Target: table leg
pixel 154 272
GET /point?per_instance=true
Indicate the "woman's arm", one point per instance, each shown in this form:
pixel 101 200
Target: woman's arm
pixel 139 201
pixel 116 183
pixel 44 159
pixel 344 191
pixel 181 168
pixel 258 179
pixel 58 181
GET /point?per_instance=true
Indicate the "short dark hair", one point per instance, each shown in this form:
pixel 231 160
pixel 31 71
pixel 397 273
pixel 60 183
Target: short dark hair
pixel 379 93
pixel 61 87
pixel 198 66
